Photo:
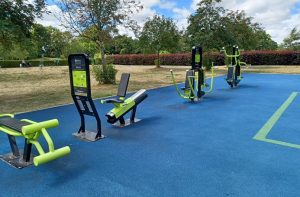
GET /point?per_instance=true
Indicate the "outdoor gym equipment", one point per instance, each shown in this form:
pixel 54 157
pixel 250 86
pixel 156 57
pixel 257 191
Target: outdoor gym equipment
pixel 195 82
pixel 81 93
pixel 31 131
pixel 234 74
pixel 122 105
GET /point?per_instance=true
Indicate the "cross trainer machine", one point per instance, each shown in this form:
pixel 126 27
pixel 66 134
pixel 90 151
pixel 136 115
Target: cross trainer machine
pixel 195 82
pixel 123 105
pixel 31 131
pixel 234 74
pixel 81 93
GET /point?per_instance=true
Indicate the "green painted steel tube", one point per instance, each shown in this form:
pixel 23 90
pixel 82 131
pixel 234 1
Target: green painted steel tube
pixel 48 140
pixel 230 56
pixel 37 146
pixel 11 131
pixel 235 56
pixel 5 115
pixel 185 96
pixel 50 156
pixel 36 127
pixel 123 108
pixel 211 80
pixel 191 84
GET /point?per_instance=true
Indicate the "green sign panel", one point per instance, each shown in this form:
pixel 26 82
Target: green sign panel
pixel 79 79
pixel 197 58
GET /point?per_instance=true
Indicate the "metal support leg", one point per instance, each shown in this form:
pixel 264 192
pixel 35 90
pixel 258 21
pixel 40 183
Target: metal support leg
pixel 133 112
pixel 13 145
pixel 82 126
pixel 27 151
pixel 18 159
pixel 99 131
pixel 122 121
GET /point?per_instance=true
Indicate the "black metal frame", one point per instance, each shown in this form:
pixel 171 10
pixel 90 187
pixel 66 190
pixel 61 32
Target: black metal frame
pixel 198 67
pixel 131 120
pixel 15 149
pixel 120 121
pixel 234 72
pixel 17 158
pixel 84 102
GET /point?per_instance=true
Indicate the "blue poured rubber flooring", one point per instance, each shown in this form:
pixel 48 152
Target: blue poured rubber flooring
pixel 178 149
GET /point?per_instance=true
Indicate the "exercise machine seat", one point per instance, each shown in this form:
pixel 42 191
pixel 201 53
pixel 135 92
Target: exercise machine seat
pixel 114 100
pixel 122 90
pixel 130 103
pixel 31 131
pixel 13 123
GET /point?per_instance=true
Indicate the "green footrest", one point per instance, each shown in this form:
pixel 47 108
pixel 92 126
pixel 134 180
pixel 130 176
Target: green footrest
pixel 44 158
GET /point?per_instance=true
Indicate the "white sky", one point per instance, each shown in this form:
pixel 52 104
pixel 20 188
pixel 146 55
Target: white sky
pixel 277 17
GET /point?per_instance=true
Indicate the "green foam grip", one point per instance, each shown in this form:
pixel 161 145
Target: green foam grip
pixel 33 128
pixel 50 156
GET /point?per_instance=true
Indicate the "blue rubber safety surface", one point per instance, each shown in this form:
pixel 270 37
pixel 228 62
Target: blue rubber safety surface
pixel 178 149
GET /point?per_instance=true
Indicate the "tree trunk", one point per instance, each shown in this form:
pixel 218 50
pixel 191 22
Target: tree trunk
pixel 158 59
pixel 102 52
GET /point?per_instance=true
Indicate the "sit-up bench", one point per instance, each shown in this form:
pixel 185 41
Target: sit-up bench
pixel 31 131
pixel 122 105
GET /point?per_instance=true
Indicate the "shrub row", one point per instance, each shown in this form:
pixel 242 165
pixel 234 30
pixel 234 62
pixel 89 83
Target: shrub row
pixel 251 57
pixel 133 59
pixel 272 57
pixel 16 63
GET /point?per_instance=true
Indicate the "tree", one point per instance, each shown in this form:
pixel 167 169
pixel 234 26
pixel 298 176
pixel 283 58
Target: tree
pixel 205 26
pixel 58 41
pixel 123 44
pixel 292 41
pixel 16 19
pixel 41 38
pixel 214 27
pixel 264 41
pixel 159 33
pixel 80 45
pixel 97 20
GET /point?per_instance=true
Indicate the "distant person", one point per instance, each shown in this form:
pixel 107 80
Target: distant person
pixel 25 64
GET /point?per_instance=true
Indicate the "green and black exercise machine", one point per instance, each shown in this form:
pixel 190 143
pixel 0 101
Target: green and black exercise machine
pixel 79 70
pixel 234 74
pixel 31 131
pixel 195 82
pixel 123 105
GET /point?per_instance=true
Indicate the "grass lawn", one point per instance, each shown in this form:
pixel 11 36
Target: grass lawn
pixel 27 89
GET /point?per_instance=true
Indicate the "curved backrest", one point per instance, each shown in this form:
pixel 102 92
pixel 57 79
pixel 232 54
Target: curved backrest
pixel 123 85
pixel 189 73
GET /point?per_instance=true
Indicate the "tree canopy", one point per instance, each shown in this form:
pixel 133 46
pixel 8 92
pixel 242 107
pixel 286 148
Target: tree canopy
pixel 214 27
pixel 292 41
pixel 17 17
pixel 159 33
pixel 94 27
pixel 97 20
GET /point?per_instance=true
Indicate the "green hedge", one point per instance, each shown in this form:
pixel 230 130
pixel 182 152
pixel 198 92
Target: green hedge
pixel 35 63
pixel 251 57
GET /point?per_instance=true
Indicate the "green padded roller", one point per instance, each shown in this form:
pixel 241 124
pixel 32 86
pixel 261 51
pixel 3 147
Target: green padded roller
pixel 33 128
pixel 44 158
